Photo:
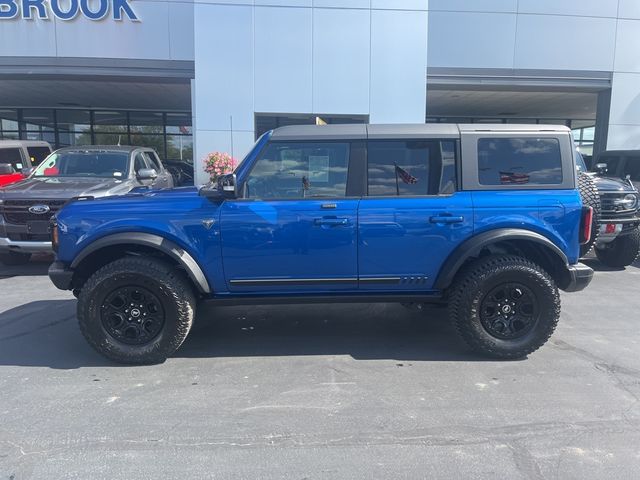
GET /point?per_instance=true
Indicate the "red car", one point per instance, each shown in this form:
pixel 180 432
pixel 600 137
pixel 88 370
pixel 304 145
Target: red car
pixel 18 157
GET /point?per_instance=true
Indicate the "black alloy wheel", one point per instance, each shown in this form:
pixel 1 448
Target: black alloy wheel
pixel 509 311
pixel 132 315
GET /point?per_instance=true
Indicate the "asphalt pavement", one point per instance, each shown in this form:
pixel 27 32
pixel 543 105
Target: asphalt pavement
pixel 320 392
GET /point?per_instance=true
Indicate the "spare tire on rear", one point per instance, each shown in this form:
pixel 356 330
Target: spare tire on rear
pixel 590 198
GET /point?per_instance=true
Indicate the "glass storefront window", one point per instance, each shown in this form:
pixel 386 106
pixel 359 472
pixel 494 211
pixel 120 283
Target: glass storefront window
pixel 179 147
pixel 169 133
pixel 8 120
pixel 74 120
pixel 146 122
pixel 154 141
pixel 110 121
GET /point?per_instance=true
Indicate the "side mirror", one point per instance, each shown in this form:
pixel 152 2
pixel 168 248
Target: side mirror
pixel 27 171
pixel 6 169
pixel 601 168
pixel 147 174
pixel 227 185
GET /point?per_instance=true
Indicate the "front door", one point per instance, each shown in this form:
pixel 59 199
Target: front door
pixel 294 229
pixel 413 216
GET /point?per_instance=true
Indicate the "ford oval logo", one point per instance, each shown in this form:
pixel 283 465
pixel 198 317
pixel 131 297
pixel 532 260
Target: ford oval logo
pixel 39 209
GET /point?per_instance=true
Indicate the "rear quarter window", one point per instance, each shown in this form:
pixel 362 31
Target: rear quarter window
pixel 515 161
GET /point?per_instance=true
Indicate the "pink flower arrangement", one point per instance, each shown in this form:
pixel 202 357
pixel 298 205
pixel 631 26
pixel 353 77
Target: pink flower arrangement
pixel 219 163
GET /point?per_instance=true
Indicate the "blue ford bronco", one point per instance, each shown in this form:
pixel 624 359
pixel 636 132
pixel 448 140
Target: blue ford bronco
pixel 485 219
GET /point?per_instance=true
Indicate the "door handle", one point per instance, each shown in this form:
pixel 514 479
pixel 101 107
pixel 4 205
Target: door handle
pixel 448 219
pixel 331 221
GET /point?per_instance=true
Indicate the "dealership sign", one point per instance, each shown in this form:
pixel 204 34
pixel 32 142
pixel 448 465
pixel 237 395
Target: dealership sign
pixel 67 9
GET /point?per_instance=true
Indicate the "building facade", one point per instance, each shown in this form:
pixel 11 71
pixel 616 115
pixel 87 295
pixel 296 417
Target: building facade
pixel 189 77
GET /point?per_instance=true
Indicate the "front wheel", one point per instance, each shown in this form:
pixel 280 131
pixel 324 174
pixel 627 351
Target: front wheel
pixel 504 307
pixel 136 310
pixel 621 252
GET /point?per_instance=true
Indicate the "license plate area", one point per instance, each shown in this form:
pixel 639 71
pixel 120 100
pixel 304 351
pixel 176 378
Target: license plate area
pixel 38 227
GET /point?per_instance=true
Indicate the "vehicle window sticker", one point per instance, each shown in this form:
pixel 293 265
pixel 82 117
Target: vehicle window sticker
pixel 319 168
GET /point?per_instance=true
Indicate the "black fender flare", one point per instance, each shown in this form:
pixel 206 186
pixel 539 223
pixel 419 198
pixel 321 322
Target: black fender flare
pixel 472 247
pixel 154 241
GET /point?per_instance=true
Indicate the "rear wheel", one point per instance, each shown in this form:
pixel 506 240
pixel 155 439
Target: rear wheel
pixel 504 306
pixel 136 310
pixel 590 198
pixel 621 252
pixel 15 258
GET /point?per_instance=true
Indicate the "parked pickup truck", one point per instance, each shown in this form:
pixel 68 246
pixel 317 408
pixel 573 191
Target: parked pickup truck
pixel 83 171
pixel 486 219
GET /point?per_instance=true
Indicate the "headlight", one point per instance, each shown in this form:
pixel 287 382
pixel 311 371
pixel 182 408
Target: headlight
pixel 628 202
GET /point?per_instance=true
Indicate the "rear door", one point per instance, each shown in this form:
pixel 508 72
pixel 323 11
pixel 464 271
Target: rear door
pixel 413 216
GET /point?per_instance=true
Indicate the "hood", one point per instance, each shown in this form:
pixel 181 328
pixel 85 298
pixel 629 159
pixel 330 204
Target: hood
pixel 612 184
pixel 64 188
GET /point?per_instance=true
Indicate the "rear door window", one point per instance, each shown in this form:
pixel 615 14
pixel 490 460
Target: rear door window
pixel 519 161
pixel 411 168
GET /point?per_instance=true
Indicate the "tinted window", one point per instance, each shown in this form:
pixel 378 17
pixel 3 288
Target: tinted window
pixel 519 161
pixel 38 154
pixel 139 163
pixel 11 156
pixel 411 167
pixel 153 161
pixel 84 164
pixel 300 170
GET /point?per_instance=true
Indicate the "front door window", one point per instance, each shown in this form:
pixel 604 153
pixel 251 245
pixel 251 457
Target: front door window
pixel 300 170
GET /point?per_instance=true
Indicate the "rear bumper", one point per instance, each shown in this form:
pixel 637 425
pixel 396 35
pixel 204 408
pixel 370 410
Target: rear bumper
pixel 60 275
pixel 8 245
pixel 580 276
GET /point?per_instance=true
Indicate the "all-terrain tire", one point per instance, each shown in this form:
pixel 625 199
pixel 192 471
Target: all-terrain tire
pixel 621 252
pixel 162 282
pixel 475 283
pixel 15 258
pixel 590 198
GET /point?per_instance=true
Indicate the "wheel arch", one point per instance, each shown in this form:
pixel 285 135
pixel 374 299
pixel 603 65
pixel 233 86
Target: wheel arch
pixel 529 244
pixel 117 245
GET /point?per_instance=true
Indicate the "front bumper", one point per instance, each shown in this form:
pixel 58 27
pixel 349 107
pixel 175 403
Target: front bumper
pixel 60 275
pixel 7 244
pixel 24 246
pixel 580 275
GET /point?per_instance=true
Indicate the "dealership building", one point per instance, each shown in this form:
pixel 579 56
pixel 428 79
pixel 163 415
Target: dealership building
pixel 190 77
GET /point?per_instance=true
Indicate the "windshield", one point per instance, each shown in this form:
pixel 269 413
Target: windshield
pixel 84 164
